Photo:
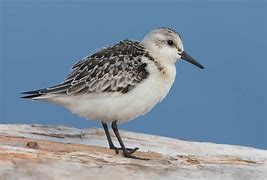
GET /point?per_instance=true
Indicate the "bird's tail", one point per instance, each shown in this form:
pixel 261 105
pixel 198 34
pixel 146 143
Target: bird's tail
pixel 36 94
pixel 59 89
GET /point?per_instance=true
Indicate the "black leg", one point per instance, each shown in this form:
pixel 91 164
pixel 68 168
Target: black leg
pixel 111 145
pixel 125 150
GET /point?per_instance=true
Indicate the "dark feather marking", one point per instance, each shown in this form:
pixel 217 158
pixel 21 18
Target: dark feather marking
pixel 117 68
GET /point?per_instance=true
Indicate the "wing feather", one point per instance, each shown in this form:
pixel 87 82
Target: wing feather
pixel 118 68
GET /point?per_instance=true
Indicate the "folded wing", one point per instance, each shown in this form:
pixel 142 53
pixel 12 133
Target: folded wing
pixel 118 68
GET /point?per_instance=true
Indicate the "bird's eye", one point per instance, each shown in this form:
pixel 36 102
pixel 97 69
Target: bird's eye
pixel 170 42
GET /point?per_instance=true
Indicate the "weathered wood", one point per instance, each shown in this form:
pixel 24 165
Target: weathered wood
pixel 57 152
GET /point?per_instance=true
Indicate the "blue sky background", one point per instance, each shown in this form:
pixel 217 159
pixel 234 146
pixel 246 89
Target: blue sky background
pixel 225 103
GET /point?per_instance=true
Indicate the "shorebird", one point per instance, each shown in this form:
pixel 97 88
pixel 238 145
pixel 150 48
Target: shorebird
pixel 120 82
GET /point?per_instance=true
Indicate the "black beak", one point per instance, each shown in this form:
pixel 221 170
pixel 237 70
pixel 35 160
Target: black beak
pixel 190 59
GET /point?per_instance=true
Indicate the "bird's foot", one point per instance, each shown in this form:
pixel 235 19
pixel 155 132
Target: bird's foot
pixel 129 150
pixel 128 154
pixel 115 149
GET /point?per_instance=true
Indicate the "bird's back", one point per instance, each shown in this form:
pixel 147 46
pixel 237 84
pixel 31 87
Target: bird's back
pixel 118 68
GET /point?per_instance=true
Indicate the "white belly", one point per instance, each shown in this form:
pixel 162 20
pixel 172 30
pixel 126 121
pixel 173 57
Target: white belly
pixel 121 107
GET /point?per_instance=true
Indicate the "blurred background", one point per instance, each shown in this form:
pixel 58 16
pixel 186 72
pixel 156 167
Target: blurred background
pixel 224 103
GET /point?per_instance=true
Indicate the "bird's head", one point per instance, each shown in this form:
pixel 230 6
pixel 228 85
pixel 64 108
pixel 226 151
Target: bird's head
pixel 167 44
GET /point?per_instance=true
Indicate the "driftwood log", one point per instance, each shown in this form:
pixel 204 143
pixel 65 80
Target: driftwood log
pixel 59 152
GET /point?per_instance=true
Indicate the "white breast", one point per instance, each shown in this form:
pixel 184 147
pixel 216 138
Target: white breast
pixel 123 107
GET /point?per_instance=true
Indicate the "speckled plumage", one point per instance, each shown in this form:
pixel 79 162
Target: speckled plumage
pixel 120 82
pixel 118 68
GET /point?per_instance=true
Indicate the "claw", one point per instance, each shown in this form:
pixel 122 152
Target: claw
pixel 128 155
pixel 115 149
pixel 130 150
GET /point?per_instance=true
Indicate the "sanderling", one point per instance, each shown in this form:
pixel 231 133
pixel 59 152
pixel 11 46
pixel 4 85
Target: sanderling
pixel 120 82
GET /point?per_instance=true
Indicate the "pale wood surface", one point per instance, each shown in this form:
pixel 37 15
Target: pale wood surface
pixel 57 152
